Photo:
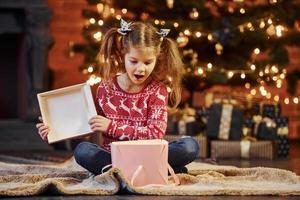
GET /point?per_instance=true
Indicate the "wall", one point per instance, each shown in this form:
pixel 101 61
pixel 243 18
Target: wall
pixel 66 26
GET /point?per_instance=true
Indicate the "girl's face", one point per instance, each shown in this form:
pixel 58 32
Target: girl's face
pixel 139 64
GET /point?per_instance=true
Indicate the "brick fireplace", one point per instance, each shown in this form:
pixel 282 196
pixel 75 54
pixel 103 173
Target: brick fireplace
pixel 25 42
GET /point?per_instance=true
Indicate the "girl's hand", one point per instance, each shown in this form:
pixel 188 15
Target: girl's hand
pixel 42 130
pixel 99 123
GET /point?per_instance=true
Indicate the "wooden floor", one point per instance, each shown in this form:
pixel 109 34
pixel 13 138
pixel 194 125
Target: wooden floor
pixel 292 163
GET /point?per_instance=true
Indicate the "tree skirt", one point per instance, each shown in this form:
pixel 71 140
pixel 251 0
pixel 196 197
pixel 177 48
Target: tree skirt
pixel 203 179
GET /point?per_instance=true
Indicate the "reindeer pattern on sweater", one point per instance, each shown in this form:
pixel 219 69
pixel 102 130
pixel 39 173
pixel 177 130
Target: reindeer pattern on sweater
pixel 133 116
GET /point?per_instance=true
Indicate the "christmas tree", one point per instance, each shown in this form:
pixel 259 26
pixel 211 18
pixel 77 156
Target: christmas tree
pixel 234 42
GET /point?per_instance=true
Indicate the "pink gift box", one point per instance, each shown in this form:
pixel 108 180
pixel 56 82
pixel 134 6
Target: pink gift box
pixel 143 162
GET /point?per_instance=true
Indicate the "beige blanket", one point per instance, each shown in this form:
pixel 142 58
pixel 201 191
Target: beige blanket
pixel 203 179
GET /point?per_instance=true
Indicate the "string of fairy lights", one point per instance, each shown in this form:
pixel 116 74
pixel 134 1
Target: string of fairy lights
pixel 269 24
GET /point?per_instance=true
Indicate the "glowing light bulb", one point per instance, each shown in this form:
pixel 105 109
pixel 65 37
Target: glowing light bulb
pixel 209 65
pixel 267 70
pixel 93 80
pixel 261 88
pixel 92 21
pixel 90 69
pixel 243 75
pixel 200 71
pixel 263 92
pixel 187 32
pixel 253 92
pixel 250 26
pixel 198 34
pixel 118 17
pixel 230 74
pixel 262 24
pixel 100 22
pixel 256 51
pixel 274 69
pixel 247 85
pixel 210 37
pixel 286 100
pixel 279 30
pixel 270 21
pixel 97 36
pixel 296 100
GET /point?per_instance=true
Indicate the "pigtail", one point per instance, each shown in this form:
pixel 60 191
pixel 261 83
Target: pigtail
pixel 171 63
pixel 110 56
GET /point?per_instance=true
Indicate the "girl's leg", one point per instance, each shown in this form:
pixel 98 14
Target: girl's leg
pixel 92 157
pixel 181 152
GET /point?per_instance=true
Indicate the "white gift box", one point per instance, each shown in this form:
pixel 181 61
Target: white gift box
pixel 66 111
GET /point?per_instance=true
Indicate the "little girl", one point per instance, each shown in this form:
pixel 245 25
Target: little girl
pixel 138 63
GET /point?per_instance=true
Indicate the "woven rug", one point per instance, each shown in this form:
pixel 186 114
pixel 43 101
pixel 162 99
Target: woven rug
pixel 203 179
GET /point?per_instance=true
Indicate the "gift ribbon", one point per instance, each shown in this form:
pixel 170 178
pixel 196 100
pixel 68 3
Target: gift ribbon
pixel 246 145
pixel 269 122
pixel 225 122
pixel 140 168
pixel 245 148
pixel 258 119
pixel 283 130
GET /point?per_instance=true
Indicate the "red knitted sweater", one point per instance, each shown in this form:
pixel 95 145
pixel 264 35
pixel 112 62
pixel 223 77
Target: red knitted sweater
pixel 134 116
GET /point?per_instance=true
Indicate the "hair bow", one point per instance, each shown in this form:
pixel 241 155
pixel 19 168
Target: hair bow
pixel 125 27
pixel 163 32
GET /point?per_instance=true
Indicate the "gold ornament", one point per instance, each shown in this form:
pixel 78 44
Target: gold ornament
pixel 194 14
pixel 271 30
pixel 170 3
pixel 219 48
pixel 182 40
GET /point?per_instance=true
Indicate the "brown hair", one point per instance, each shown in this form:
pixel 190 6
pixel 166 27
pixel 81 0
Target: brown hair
pixel 169 65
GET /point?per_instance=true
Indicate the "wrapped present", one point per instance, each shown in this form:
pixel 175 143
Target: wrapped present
pixel 282 136
pixel 201 139
pixel 283 146
pixel 224 122
pixel 245 149
pixel 184 122
pixel 275 129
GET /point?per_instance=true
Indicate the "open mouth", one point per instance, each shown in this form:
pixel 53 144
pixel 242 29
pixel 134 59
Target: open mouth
pixel 138 76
